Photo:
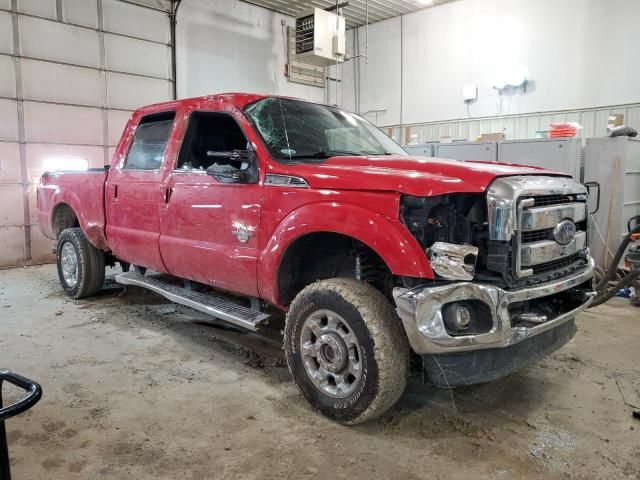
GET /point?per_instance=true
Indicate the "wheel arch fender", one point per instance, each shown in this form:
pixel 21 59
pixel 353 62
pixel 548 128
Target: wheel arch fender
pixel 93 228
pixel 388 238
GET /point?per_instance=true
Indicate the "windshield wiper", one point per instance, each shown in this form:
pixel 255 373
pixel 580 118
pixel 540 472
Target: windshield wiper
pixel 377 153
pixel 328 154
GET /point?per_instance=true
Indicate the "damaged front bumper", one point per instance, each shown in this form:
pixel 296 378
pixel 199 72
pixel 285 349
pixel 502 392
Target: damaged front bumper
pixel 421 311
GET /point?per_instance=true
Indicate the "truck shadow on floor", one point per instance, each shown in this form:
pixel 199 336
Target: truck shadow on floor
pixel 444 412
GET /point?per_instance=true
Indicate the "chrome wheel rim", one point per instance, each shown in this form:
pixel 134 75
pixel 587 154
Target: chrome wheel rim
pixel 330 353
pixel 69 264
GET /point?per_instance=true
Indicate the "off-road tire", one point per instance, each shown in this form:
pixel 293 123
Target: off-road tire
pixel 383 348
pixel 90 260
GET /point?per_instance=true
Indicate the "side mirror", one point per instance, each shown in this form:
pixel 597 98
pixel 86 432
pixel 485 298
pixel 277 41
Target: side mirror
pixel 230 176
pixel 228 173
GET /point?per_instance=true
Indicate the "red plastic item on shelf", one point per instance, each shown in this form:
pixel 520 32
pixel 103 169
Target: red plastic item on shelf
pixel 562 130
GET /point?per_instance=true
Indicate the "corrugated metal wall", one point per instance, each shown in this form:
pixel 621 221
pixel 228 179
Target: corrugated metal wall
pixel 71 71
pixel 594 121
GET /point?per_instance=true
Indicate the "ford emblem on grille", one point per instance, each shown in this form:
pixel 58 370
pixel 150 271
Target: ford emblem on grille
pixel 564 232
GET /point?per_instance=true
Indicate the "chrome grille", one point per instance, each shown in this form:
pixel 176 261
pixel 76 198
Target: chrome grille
pixel 547 233
pixel 558 264
pixel 546 200
pixel 537 248
pixel 536 236
pixel 525 212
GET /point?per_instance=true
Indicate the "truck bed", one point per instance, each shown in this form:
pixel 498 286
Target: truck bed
pixel 83 192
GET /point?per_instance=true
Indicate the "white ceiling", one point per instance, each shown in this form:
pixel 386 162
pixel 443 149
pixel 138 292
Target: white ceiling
pixel 355 12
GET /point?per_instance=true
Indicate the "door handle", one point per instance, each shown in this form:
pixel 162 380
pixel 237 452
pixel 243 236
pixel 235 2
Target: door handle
pixel 167 194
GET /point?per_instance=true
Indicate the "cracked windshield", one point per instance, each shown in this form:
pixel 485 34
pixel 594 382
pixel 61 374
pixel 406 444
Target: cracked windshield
pixel 297 131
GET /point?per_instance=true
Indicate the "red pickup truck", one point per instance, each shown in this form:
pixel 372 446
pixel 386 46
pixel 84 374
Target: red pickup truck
pixel 242 206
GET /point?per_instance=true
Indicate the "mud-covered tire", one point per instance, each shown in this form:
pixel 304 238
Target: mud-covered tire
pixel 90 264
pixel 383 348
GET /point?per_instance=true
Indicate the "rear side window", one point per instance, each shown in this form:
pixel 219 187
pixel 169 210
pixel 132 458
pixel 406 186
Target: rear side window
pixel 150 141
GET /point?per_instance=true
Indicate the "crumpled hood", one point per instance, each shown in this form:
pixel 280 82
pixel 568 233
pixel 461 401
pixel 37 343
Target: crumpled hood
pixel 418 176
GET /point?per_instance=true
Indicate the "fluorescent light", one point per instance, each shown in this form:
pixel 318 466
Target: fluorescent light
pixel 425 2
pixel 56 164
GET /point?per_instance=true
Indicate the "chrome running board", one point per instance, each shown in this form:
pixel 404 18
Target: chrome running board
pixel 211 305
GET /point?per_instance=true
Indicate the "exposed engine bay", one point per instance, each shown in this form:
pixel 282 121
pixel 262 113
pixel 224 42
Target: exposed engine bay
pixel 454 218
pixel 460 220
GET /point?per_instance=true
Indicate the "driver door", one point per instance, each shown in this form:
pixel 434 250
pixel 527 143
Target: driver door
pixel 211 210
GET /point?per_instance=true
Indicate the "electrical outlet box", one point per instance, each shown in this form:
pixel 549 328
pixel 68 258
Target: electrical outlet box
pixel 469 93
pixel 320 38
pixel 339 45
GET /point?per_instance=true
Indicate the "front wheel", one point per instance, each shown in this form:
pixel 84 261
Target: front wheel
pixel 80 265
pixel 346 350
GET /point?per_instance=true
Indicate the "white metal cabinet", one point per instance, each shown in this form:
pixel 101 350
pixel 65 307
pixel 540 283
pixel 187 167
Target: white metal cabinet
pixel 560 154
pixel 615 164
pixel 486 151
pixel 420 150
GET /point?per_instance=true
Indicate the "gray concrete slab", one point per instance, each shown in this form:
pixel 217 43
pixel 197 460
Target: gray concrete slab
pixel 136 389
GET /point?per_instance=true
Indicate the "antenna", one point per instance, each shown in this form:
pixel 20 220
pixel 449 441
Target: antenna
pixel 284 123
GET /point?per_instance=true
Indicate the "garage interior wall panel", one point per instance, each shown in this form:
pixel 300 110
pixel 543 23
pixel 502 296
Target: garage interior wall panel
pixel 64 83
pixel 79 80
pixel 51 40
pixel 81 12
pixel 116 121
pixel 137 56
pixel 41 8
pixel 378 74
pixel 42 124
pixel 10 164
pixel 9 123
pixel 11 196
pixel 13 245
pixel 128 19
pixel 6 33
pixel 232 46
pixel 563 46
pixel 127 92
pixel 7 77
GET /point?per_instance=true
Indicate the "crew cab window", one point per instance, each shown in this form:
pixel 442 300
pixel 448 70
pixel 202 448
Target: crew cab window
pixel 150 141
pixel 210 134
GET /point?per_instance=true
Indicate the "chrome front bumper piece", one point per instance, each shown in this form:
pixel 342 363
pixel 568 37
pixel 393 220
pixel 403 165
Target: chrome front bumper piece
pixel 420 309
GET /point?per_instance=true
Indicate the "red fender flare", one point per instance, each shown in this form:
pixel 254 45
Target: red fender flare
pixel 389 238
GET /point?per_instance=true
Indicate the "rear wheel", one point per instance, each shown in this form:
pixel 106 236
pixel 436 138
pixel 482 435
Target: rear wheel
pixel 80 264
pixel 346 350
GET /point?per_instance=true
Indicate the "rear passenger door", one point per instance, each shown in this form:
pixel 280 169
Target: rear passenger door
pixel 133 192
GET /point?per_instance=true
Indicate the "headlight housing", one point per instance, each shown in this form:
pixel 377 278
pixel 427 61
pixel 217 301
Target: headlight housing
pixel 453 262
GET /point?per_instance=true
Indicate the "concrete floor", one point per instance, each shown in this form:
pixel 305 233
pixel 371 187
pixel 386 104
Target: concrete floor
pixel 135 388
